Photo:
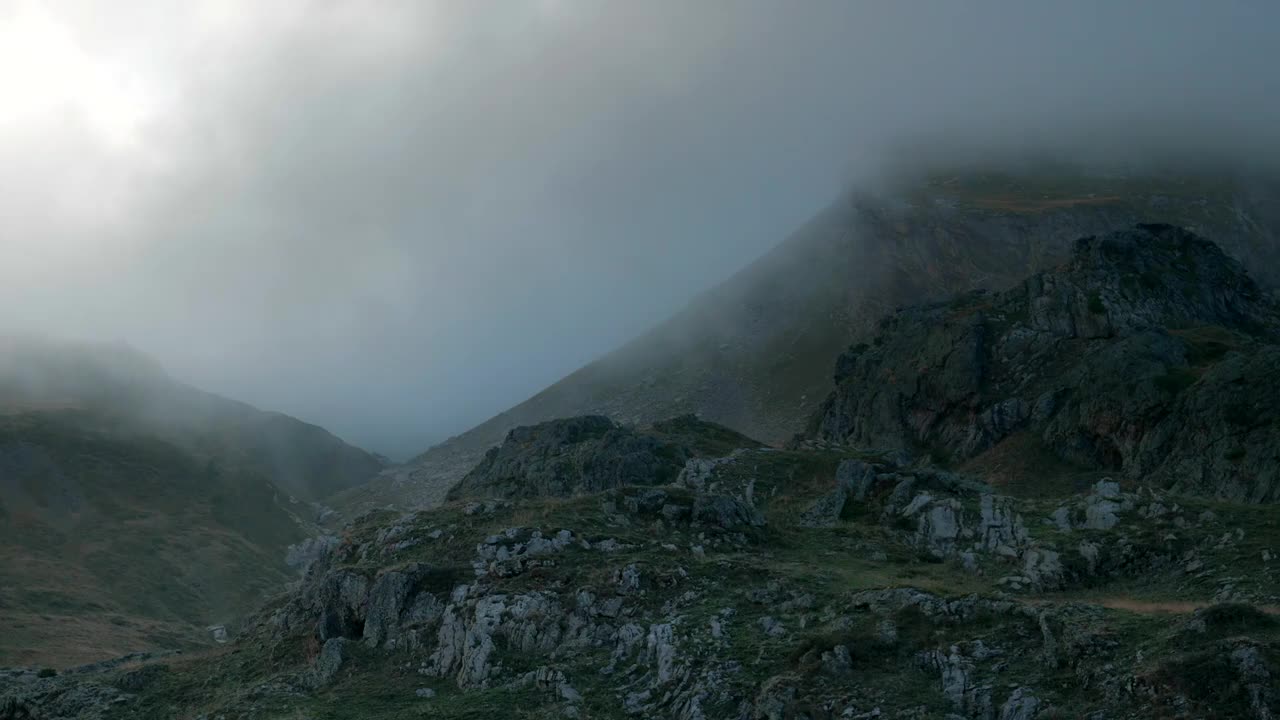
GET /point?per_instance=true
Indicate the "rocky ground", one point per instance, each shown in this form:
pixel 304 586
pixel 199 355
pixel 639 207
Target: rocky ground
pixel 883 566
pixel 767 584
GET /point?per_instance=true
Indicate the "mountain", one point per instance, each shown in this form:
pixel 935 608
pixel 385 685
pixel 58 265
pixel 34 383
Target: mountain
pixel 1149 354
pixel 136 511
pixel 884 565
pixel 754 353
pixel 127 390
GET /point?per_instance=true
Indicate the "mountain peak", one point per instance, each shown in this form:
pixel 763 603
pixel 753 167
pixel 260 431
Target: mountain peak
pixel 1146 353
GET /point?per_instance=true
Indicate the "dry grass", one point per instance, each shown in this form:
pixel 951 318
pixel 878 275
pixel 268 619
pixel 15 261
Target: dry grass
pixel 1175 607
pixel 61 641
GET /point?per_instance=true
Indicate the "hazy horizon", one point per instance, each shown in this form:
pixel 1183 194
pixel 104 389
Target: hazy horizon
pixel 397 222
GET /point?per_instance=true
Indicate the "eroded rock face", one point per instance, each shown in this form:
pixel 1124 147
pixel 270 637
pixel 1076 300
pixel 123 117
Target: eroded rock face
pixel 1146 354
pixel 589 454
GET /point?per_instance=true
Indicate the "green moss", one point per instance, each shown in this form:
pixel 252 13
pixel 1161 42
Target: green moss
pixel 1096 305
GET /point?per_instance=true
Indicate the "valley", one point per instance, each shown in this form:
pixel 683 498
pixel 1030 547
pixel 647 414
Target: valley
pixel 1055 500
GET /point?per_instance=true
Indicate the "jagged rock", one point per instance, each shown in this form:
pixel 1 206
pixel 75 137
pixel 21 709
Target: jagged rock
pixel 343 598
pixel 626 640
pixel 726 513
pixel 1000 525
pixel 588 454
pixel 697 472
pixel 300 556
pixel 1021 705
pixel 1256 677
pixel 958 684
pixel 332 655
pixel 398 603
pixel 1105 347
pixel 837 661
pixel 854 479
pixel 1102 505
pixel 772 627
pixel 1043 568
pixel 628 579
pixel 938 530
pixel 660 650
pixel 219 634
pixel 1062 519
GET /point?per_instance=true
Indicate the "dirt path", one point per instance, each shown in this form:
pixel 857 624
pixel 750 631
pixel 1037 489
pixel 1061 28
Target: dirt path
pixel 1176 607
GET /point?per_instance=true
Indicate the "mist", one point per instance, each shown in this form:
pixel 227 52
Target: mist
pixel 397 219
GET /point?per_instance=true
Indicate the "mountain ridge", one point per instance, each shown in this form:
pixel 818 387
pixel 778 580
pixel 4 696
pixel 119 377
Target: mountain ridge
pixel 684 571
pixel 754 352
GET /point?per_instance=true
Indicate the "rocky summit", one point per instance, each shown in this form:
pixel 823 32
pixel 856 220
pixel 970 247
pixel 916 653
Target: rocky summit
pixel 1150 354
pixel 1054 501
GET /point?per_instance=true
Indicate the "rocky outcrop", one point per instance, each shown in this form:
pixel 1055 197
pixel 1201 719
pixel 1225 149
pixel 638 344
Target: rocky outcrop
pixel 88 692
pixel 853 480
pixel 589 454
pixel 1148 353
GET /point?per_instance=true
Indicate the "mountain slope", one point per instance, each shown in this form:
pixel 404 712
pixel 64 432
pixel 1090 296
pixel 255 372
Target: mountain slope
pixel 127 390
pixel 754 354
pixel 136 511
pixel 577 574
pixel 112 543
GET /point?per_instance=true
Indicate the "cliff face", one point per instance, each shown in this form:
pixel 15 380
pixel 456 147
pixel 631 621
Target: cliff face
pixel 1146 353
pixel 755 353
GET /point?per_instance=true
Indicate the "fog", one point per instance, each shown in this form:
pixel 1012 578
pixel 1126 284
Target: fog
pixel 395 219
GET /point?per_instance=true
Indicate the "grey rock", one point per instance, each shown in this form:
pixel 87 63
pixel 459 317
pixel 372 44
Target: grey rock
pixel 302 555
pixel 854 479
pixel 1021 705
pixel 219 634
pixel 954 377
pixel 582 454
pixel 772 626
pixel 726 513
pixel 330 660
pixel 398 604
pixel 938 530
pixel 837 661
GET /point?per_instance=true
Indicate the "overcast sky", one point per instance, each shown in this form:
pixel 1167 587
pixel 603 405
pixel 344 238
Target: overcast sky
pixel 398 218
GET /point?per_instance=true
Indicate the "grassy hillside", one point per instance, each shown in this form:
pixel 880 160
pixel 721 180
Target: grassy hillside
pixel 112 543
pixel 134 510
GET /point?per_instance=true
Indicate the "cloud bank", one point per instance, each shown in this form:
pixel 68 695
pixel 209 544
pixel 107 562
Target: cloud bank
pixel 397 218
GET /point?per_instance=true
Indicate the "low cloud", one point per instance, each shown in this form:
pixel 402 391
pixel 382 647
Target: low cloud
pixel 396 219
